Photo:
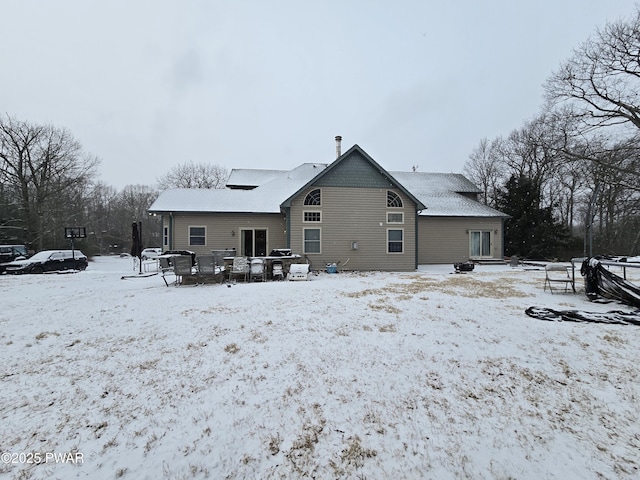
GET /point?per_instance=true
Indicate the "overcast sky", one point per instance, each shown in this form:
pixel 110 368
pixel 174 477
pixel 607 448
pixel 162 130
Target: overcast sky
pixel 146 85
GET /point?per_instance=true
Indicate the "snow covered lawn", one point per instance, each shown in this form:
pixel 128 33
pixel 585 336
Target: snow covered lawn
pixel 355 375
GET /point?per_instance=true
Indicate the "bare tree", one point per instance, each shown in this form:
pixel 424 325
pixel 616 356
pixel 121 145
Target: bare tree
pixel 101 222
pixel 40 164
pixel 194 175
pixel 484 169
pixel 132 205
pixel 602 78
pixel 588 175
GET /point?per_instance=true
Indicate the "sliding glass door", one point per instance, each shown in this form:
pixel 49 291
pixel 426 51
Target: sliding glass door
pixel 480 243
pixel 253 242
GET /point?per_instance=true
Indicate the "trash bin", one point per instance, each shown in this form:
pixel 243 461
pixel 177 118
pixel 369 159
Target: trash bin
pixel 332 268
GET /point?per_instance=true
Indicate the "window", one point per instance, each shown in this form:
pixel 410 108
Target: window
pixel 165 236
pixel 311 240
pixel 395 217
pixel 395 241
pixel 313 198
pixel 393 199
pixel 197 235
pixel 480 243
pixel 312 217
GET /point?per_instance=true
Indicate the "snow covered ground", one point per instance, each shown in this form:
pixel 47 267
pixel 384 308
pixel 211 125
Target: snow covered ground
pixel 355 375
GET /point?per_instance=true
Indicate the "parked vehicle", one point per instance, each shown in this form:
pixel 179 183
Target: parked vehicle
pixel 9 253
pixel 49 261
pixel 149 253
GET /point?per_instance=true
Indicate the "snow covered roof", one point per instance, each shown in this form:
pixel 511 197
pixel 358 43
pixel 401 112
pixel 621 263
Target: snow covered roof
pixel 246 177
pixel 348 177
pixel 442 193
pixel 429 182
pixel 265 198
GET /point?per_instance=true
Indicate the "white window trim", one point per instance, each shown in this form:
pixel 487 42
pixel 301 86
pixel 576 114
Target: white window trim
pixel 403 241
pixel 395 212
pixel 310 221
pixel 491 240
pixel 304 242
pixel 189 235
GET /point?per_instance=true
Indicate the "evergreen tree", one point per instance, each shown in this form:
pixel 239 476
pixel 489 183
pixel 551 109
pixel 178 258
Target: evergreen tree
pixel 531 231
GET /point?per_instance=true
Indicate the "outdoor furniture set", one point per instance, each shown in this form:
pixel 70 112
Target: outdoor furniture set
pixel 264 268
pixel 249 269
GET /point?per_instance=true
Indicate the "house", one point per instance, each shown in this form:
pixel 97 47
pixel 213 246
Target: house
pixel 351 211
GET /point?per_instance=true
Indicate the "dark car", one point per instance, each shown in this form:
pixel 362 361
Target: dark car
pixel 49 261
pixel 9 253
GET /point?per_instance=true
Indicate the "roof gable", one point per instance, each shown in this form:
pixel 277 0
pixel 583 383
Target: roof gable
pixel 355 169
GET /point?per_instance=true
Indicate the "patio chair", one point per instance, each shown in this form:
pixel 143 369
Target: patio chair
pixel 240 268
pixel 182 267
pixel 558 274
pixel 206 267
pixel 277 270
pixel 165 268
pixel 257 270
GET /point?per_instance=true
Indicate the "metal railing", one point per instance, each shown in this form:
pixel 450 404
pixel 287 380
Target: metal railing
pixel 609 263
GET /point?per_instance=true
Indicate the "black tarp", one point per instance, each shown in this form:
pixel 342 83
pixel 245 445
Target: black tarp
pixel 600 282
pixel 614 317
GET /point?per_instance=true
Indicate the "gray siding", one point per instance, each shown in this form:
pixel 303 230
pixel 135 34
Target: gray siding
pixel 355 214
pixel 219 228
pixel 354 172
pixel 446 239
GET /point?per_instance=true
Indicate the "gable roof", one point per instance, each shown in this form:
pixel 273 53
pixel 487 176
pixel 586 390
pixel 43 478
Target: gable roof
pixel 263 191
pixel 388 181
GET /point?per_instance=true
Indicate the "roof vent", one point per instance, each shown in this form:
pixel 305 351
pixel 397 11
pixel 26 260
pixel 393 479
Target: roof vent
pixel 338 146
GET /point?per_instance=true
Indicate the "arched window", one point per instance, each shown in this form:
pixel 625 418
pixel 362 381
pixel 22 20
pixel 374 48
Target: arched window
pixel 393 199
pixel 313 197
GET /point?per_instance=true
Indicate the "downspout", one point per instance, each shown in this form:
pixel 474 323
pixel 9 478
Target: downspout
pixel 287 226
pixel 417 238
pixel 170 230
pixel 502 253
